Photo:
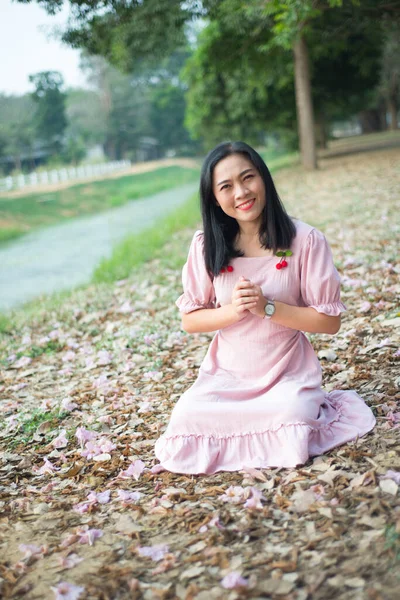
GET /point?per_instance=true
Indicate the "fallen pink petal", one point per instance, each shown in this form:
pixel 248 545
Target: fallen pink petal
pixel 156 552
pixel 67 591
pixel 234 580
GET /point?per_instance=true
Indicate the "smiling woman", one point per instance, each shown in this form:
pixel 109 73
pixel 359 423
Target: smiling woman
pixel 260 278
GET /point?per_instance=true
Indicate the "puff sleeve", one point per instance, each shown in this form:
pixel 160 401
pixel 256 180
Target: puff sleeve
pixel 198 288
pixel 319 279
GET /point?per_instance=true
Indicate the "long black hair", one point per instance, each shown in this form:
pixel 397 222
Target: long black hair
pixel 277 229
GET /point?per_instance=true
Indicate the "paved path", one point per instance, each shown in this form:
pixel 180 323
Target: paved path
pixel 64 256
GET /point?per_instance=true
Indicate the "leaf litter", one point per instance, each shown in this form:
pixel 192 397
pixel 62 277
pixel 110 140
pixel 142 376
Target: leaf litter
pixel 87 388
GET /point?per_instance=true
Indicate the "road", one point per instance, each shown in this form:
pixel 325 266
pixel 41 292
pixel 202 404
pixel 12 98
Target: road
pixel 64 256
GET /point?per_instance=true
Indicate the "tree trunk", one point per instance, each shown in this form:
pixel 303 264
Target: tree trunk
pixel 305 116
pixel 392 108
pixel 320 131
pixel 370 120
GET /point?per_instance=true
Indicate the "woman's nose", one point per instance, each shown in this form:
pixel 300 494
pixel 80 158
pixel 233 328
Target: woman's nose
pixel 240 190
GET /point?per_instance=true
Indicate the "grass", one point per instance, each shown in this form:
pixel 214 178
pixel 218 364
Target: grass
pixel 33 420
pixel 19 215
pixel 137 249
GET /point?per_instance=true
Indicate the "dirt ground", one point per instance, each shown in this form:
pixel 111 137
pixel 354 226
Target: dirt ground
pixel 89 386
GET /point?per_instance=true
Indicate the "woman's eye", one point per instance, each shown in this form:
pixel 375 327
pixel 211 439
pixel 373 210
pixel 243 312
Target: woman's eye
pixel 249 175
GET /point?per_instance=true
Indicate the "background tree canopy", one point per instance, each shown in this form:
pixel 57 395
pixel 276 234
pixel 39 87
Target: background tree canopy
pixel 220 69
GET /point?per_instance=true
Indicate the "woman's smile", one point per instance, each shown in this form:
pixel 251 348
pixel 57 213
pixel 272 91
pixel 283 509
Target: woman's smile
pixel 247 205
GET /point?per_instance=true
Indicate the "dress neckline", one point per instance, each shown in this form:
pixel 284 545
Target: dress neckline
pixel 266 257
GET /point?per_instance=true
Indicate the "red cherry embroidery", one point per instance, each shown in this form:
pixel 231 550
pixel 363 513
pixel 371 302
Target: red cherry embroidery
pixel 222 270
pixel 283 262
pixel 229 268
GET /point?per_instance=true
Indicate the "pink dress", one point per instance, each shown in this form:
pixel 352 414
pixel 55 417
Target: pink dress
pixel 258 401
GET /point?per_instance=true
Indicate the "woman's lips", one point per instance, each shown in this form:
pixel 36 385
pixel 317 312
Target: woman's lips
pixel 246 205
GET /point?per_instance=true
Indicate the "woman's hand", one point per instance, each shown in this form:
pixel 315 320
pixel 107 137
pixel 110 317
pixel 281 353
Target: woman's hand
pixel 247 297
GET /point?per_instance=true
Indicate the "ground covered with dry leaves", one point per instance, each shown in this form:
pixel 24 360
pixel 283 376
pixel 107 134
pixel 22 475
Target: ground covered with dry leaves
pixel 86 389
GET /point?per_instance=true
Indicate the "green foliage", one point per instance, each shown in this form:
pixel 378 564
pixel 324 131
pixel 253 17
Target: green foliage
pixel 232 91
pixel 50 118
pixel 17 130
pixel 30 422
pixel 392 541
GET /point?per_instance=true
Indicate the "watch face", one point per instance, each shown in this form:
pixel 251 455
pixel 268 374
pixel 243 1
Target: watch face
pixel 269 310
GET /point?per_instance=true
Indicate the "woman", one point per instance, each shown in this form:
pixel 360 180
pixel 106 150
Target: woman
pixel 259 278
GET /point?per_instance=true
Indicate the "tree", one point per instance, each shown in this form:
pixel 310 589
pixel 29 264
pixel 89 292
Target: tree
pixel 128 34
pixel 17 131
pixel 390 71
pixel 232 93
pixel 50 118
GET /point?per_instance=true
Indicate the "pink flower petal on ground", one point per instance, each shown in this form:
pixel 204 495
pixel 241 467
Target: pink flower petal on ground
pixel 106 445
pixel 68 405
pixel 24 361
pixel 145 407
pixel 395 475
pixel 84 435
pixel 153 375
pixel 69 540
pixel 48 468
pixel 91 449
pixel 135 469
pixel 235 494
pixel 126 308
pixel 255 501
pixel 82 507
pixel 30 550
pixel 156 552
pixel 68 356
pixel 88 536
pixel 69 562
pixel 104 358
pixel 157 469
pixel 318 490
pixel 60 441
pixel 128 497
pixel 365 307
pixel 100 497
pixel 234 580
pixel 67 591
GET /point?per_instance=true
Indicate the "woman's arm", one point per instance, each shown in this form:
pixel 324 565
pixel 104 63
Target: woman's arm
pixel 296 317
pixel 304 319
pixel 207 320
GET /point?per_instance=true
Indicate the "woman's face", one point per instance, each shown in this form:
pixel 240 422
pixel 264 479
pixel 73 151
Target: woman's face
pixel 239 189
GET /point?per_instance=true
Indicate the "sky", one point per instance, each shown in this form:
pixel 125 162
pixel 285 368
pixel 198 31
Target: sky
pixel 25 47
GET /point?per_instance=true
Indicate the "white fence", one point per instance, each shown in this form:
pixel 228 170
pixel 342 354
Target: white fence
pixel 60 175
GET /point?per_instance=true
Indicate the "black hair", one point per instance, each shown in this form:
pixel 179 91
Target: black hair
pixel 277 229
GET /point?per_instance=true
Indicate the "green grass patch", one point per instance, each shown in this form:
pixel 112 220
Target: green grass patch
pixel 30 422
pixel 136 249
pixel 392 541
pixel 29 212
pixel 7 234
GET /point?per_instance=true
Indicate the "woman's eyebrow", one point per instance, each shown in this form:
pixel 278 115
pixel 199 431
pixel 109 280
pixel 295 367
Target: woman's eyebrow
pixel 240 175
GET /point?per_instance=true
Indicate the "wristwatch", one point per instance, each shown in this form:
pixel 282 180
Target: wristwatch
pixel 269 309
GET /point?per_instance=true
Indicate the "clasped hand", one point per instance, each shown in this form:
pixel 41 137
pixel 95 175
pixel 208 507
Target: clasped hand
pixel 248 297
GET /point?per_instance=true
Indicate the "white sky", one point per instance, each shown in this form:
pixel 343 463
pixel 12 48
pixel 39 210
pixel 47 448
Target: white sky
pixel 25 47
